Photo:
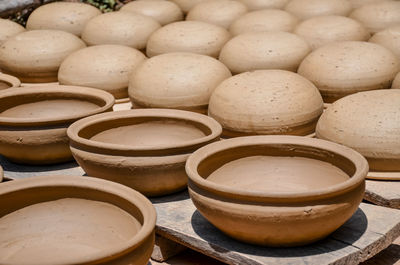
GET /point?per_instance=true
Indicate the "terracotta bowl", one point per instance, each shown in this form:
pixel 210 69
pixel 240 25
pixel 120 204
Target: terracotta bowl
pixel 97 221
pixel 276 190
pixel 8 81
pixel 9 29
pixel 34 120
pixel 143 149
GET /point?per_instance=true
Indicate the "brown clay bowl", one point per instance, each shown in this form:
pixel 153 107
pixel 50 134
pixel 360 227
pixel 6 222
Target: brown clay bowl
pixel 74 220
pixel 8 81
pixel 276 190
pixel 145 149
pixel 34 120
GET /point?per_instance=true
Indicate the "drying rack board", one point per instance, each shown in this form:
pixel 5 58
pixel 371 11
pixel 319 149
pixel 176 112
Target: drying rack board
pixel 369 231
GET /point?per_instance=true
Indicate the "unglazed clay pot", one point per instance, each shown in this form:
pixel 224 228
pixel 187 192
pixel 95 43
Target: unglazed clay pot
pixel 143 149
pixel 379 16
pixel 66 16
pixel 34 120
pixel 264 50
pixel 319 31
pixel 188 36
pixel 186 5
pixel 177 80
pixel 389 38
pixel 347 67
pixel 107 67
pixel 97 221
pixel 305 9
pixel 264 4
pixel 9 29
pixel 123 28
pixel 264 20
pixel 35 56
pixel 266 102
pixel 164 12
pixel 221 13
pixel 372 128
pixel 276 190
pixel 8 81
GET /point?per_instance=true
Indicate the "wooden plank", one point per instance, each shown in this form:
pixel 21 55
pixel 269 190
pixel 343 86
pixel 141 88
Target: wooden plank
pixel 383 193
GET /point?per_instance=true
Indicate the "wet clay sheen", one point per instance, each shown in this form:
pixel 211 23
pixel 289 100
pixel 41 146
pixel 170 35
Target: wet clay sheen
pixel 149 134
pixel 49 109
pixel 278 174
pixel 57 231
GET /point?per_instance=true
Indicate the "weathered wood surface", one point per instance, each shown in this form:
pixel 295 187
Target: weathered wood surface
pixel 385 193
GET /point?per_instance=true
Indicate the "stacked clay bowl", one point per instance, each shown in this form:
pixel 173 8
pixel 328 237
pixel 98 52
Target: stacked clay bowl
pixel 97 221
pixel 368 122
pixel 34 120
pixel 143 149
pixel 8 81
pixel 276 190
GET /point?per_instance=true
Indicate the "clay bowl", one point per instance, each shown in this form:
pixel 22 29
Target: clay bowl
pixel 143 149
pixel 8 81
pixel 97 221
pixel 264 4
pixel 34 120
pixel 9 29
pixel 276 190
pixel 305 9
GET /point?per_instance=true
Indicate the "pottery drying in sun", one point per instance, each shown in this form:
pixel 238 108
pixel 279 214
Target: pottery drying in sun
pixel 389 38
pixel 305 9
pixel 9 29
pixel 8 81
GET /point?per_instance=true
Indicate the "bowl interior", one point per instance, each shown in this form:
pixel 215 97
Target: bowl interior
pixel 4 84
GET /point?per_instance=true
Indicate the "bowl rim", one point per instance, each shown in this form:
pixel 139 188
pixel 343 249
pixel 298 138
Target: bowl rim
pixel 140 201
pixel 194 160
pixel 56 90
pixel 1 174
pixel 14 81
pixel 96 146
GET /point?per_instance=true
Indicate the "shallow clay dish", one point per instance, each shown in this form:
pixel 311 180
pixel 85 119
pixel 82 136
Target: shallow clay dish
pixel 319 31
pixel 177 81
pixel 266 102
pixel 305 9
pixel 343 68
pixel 188 36
pixel 35 56
pixel 373 128
pixel 276 190
pixel 65 16
pixel 143 149
pixel 123 28
pixel 264 20
pixel 8 81
pixel 107 67
pixel 9 29
pixel 264 4
pixel 264 50
pixel 97 221
pixel 389 38
pixel 34 120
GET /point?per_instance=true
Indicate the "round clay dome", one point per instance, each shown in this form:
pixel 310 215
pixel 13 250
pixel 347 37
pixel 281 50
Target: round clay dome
pixel 107 67
pixel 164 12
pixel 396 82
pixel 264 20
pixel 305 9
pixel 368 122
pixel 266 102
pixel 389 38
pixel 123 28
pixel 186 5
pixel 177 80
pixel 264 50
pixel 66 16
pixel 263 4
pixel 347 67
pixel 319 31
pixel 9 29
pixel 35 56
pixel 360 3
pixel 379 16
pixel 221 13
pixel 188 36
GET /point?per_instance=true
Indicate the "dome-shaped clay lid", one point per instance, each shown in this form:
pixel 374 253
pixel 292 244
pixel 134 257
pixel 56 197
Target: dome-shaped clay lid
pixel 368 122
pixel 389 38
pixel 266 102
pixel 36 55
pixel 9 29
pixel 164 12
pixel 319 31
pixel 378 16
pixel 176 80
pixel 123 28
pixel 305 9
pixel 264 20
pixel 264 4
pixel 188 36
pixel 66 16
pixel 107 67
pixel 264 50
pixel 344 68
pixel 221 13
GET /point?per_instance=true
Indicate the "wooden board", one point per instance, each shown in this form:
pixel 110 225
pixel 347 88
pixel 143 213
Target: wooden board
pixel 384 193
